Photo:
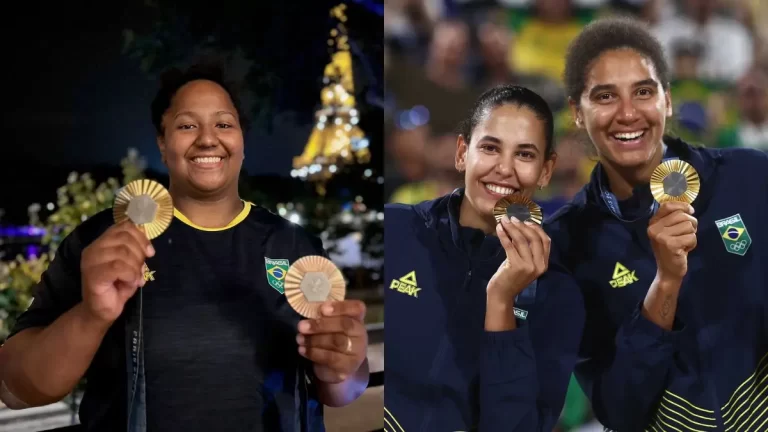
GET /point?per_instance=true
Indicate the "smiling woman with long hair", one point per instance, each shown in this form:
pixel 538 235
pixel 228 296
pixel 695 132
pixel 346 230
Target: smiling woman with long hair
pixel 471 343
pixel 676 336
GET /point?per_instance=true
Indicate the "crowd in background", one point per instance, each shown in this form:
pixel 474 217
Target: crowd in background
pixel 441 54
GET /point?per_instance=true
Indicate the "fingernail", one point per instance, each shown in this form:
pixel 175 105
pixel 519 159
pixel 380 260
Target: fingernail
pixel 304 326
pixel 302 350
pixel 342 377
pixel 514 220
pixel 529 223
pixel 327 309
pixel 150 250
pixel 505 219
pixel 300 339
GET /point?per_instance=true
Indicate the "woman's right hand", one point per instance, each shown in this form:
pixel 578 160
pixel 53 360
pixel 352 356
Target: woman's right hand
pixel 527 249
pixel 112 270
pixel 672 232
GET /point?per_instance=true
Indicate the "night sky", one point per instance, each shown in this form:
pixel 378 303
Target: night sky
pixel 74 100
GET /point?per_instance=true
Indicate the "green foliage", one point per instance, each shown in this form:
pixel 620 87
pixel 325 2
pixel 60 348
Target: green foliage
pixel 79 199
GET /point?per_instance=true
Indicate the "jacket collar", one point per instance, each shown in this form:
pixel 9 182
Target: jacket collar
pixel 704 161
pixel 442 216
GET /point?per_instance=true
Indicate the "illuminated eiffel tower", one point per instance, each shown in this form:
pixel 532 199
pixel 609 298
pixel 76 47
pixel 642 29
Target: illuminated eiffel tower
pixel 336 139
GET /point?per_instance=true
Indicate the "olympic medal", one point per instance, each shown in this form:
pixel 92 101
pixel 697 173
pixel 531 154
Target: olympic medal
pixel 311 281
pixel 147 204
pixel 519 207
pixel 675 180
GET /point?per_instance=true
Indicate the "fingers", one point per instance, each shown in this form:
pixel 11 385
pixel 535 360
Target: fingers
pixel 529 242
pixel 520 243
pixel 677 223
pixel 331 359
pixel 506 243
pixel 684 243
pixel 546 242
pixel 350 308
pixel 138 236
pixel 338 342
pixel 119 270
pixel 671 207
pixel 125 253
pixel 335 324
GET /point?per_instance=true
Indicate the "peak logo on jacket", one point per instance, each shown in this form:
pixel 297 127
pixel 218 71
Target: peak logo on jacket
pixel 406 285
pixel 622 276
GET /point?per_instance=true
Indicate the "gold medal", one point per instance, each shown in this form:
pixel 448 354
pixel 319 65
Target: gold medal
pixel 675 180
pixel 147 204
pixel 520 207
pixel 311 281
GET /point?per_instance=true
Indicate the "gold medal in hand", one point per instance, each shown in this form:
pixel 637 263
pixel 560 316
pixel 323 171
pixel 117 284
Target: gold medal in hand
pixel 519 207
pixel 147 204
pixel 675 180
pixel 311 281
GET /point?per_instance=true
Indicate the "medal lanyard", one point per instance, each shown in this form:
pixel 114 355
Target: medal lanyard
pixel 612 202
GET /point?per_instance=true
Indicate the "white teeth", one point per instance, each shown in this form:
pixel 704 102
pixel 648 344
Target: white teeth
pixel 629 135
pixel 206 160
pixel 499 189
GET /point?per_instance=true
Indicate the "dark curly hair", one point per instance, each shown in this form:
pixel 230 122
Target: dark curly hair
pixel 506 94
pixel 173 79
pixel 606 35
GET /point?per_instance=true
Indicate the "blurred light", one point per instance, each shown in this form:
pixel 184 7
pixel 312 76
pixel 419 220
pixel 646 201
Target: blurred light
pixel 368 172
pixel 332 168
pixel 282 211
pixel 295 218
pixel 380 180
pixel 50 206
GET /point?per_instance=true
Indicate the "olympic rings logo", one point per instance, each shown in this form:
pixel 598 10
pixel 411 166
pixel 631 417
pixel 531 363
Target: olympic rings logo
pixel 739 246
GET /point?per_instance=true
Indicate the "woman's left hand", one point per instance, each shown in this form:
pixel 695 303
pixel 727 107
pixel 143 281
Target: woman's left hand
pixel 337 342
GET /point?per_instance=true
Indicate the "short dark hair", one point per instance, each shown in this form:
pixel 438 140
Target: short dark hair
pixel 506 94
pixel 607 35
pixel 174 78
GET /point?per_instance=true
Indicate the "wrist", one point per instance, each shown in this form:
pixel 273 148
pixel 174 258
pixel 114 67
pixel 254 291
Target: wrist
pixel 668 283
pixel 499 303
pixel 91 320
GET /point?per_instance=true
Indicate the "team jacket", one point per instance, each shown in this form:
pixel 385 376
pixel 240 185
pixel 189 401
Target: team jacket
pixel 710 373
pixel 444 371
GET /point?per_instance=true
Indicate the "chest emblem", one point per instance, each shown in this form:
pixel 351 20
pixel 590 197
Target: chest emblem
pixel 622 276
pixel 734 234
pixel 276 271
pixel 406 285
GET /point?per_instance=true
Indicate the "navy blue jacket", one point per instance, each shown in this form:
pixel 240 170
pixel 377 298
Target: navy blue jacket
pixel 708 373
pixel 444 371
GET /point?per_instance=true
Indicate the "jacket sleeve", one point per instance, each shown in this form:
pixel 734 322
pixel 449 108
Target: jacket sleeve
pixel 525 372
pixel 624 370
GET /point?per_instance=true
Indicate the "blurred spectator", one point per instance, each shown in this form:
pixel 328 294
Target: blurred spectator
pixel 751 130
pixel 728 49
pixel 542 37
pixel 441 175
pixel 495 42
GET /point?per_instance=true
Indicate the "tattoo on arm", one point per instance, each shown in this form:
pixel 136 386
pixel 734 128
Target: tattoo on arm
pixel 666 307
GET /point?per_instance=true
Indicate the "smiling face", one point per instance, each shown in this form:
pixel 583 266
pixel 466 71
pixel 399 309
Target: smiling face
pixel 624 108
pixel 202 143
pixel 506 154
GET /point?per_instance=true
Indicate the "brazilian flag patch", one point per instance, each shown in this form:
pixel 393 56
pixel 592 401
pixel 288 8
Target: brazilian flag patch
pixel 276 271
